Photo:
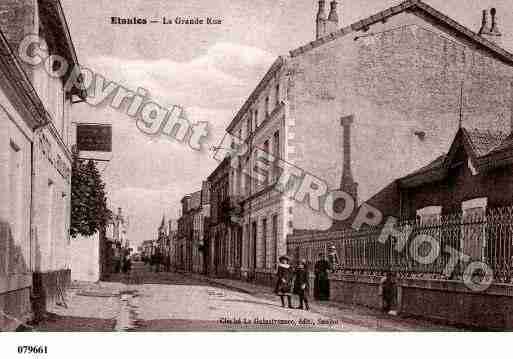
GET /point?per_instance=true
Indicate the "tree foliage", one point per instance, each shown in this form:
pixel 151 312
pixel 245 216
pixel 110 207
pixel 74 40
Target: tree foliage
pixel 89 211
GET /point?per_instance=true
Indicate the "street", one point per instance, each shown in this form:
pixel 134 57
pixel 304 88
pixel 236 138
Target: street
pixel 148 301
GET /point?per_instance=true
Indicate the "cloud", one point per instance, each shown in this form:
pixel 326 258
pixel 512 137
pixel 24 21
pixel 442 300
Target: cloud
pixel 216 79
pixel 147 176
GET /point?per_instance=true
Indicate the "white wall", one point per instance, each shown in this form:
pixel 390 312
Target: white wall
pixel 85 258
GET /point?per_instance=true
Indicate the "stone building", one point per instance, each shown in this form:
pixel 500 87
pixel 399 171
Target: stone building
pixel 392 82
pixel 225 244
pixel 21 114
pixel 43 172
pixel 192 230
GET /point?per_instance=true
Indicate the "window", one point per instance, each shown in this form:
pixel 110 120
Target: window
pixel 255 119
pixel 274 239
pixel 267 109
pixel 264 243
pixel 276 154
pixel 277 94
pixel 266 150
pixel 429 214
pixel 248 126
pixel 253 244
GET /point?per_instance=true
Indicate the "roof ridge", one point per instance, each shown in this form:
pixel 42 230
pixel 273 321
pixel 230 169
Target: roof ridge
pixel 396 9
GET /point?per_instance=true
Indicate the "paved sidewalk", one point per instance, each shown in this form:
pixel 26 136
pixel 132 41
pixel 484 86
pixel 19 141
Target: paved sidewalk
pixel 89 307
pixel 357 315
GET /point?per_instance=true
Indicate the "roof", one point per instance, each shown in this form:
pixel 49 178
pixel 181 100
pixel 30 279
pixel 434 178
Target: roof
pixel 487 149
pixel 221 167
pixel 11 68
pixel 256 92
pixel 407 5
pixel 53 14
pixel 484 142
pixel 404 6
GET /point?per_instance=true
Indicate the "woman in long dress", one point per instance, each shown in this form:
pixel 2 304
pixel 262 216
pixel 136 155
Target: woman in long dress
pixel 322 282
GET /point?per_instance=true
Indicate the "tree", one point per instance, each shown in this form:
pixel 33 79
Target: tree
pixel 89 211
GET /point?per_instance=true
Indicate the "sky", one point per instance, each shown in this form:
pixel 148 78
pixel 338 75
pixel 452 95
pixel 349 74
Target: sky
pixel 208 69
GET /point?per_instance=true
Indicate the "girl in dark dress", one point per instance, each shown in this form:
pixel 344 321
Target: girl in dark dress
pixel 284 281
pixel 301 284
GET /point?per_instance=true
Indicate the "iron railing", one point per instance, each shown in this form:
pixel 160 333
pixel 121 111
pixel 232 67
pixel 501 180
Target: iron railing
pixel 485 237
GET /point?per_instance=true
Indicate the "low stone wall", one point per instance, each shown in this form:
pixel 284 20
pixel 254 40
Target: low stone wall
pixel 452 302
pixel 356 290
pixel 46 287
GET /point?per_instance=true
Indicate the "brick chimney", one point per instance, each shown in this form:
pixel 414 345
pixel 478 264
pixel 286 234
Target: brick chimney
pixel 490 29
pixel 332 23
pixel 347 183
pixel 321 20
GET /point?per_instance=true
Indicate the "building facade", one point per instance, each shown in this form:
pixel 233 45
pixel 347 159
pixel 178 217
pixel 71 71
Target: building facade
pixel 390 85
pixel 19 120
pixel 191 231
pixel 224 249
pixel 49 159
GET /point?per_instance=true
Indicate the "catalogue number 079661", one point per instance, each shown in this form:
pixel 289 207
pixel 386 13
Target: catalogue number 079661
pixel 32 349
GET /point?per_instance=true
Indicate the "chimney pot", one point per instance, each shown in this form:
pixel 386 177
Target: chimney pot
pixel 494 29
pixel 490 31
pixel 320 21
pixel 484 23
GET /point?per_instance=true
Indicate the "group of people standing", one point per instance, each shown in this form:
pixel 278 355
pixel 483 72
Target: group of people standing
pixel 295 281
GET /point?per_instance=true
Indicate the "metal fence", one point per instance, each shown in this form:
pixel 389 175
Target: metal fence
pixel 429 246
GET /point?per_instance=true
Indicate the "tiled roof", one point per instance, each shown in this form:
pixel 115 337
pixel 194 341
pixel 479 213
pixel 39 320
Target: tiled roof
pixel 505 145
pixel 484 142
pixel 481 142
pixel 436 164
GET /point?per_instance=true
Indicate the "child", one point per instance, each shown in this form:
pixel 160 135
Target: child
pixel 283 283
pixel 301 284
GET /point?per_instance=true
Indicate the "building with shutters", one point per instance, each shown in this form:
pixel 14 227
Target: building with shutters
pixel 388 87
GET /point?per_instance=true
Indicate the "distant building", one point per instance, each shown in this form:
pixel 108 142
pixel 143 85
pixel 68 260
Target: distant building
pixel 191 230
pixel 224 248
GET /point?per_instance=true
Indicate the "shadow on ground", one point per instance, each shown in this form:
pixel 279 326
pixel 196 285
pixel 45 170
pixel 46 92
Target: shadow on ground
pixel 59 323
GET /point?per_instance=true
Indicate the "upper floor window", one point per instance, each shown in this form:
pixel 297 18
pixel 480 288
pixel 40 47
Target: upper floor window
pixel 255 118
pixel 429 214
pixel 276 153
pixel 267 107
pixel 266 150
pixel 277 94
pixel 248 126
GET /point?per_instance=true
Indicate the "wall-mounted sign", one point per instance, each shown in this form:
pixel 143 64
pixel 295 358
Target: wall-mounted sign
pixel 94 137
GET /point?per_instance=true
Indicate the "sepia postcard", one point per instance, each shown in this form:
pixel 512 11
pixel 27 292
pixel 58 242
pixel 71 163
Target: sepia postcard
pixel 320 166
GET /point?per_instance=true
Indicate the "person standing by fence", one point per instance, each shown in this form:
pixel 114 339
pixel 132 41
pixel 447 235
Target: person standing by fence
pixel 387 291
pixel 322 282
pixel 301 284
